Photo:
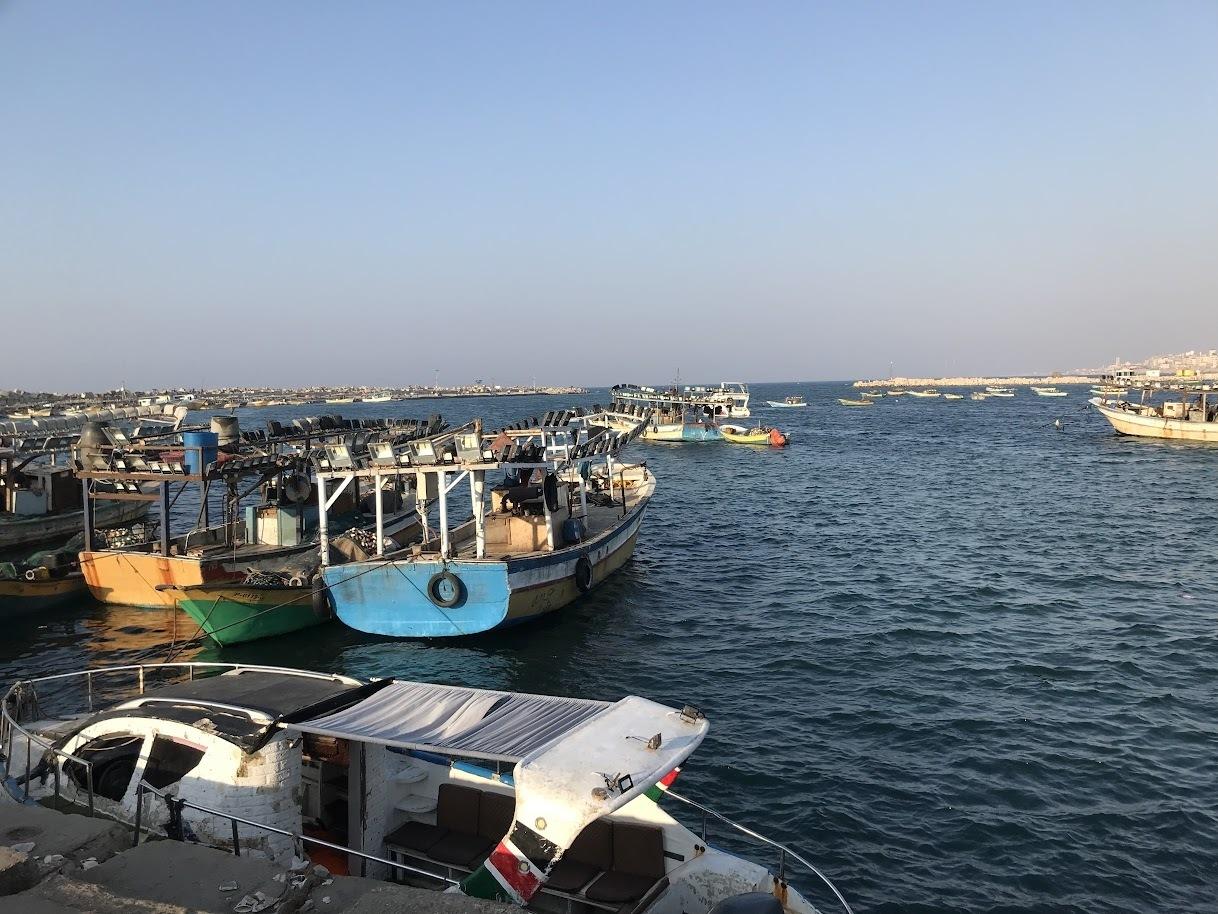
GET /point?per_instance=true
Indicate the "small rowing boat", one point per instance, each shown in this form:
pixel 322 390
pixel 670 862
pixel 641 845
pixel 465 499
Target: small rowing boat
pixel 761 435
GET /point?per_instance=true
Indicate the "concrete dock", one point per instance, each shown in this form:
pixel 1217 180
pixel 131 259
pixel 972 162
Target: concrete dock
pixel 61 863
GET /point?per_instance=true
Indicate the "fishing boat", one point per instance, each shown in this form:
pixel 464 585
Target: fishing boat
pixel 978 395
pixel 1192 417
pixel 41 501
pixel 555 802
pixel 730 400
pixel 897 393
pixel 261 537
pixel 1049 392
pixel 845 401
pixel 45 580
pixel 791 402
pixel 929 392
pixel 953 396
pixel 873 395
pixel 563 516
pixel 672 422
pixel 759 435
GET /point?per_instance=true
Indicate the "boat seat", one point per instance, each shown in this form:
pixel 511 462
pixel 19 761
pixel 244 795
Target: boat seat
pixel 590 855
pixel 461 849
pixel 466 847
pixel 638 864
pixel 416 836
pixel 456 811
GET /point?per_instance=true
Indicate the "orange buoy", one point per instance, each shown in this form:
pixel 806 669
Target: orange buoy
pixel 777 438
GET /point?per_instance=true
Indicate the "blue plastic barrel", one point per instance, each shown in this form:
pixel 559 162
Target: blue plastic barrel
pixel 193 441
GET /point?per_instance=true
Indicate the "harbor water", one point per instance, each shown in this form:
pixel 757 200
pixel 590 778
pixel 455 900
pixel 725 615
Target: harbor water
pixel 960 658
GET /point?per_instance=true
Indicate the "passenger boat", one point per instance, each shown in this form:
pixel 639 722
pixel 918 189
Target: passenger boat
pixel 791 402
pixel 730 400
pixel 845 401
pixel 557 803
pixel 563 517
pixel 1193 417
pixel 261 537
pixel 760 435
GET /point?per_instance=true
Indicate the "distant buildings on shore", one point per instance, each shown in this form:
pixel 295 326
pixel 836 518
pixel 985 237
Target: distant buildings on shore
pixel 1198 363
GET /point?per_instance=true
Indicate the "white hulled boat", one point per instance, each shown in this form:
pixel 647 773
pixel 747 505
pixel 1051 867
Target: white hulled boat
pixel 553 802
pixel 1194 417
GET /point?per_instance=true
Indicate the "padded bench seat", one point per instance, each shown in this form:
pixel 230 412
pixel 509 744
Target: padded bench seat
pixel 610 864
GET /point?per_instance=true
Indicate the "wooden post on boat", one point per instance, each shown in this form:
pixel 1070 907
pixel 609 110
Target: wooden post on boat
pixel 323 526
pixel 164 503
pixel 609 472
pixel 443 514
pixel 87 512
pixel 477 489
pixel 380 516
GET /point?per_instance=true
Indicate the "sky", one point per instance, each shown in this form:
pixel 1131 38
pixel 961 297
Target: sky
pixel 224 193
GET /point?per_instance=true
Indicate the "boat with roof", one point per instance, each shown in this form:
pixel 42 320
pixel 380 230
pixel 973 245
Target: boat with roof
pixel 550 802
pixel 267 536
pixel 730 400
pixel 41 501
pixel 1184 413
pixel 564 514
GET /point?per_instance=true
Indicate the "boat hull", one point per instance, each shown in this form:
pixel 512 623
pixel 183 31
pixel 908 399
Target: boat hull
pixel 21 597
pixel 237 613
pixel 678 431
pixel 390 597
pixel 48 528
pixel 1128 422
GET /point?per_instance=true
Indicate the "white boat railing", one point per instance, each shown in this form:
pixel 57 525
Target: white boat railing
pixel 783 851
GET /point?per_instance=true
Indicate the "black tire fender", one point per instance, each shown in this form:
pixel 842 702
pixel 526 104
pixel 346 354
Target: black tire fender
pixel 583 573
pixel 433 589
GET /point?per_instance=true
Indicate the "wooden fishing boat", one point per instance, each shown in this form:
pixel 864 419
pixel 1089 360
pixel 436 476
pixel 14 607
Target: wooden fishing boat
pixel 730 400
pixel 563 518
pixel 953 396
pixel 874 395
pixel 240 612
pixel 281 528
pixel 555 802
pixel 760 435
pixel 1049 392
pixel 1194 417
pixel 978 395
pixel 24 595
pixel 848 402
pixel 897 393
pixel 792 402
pixel 929 392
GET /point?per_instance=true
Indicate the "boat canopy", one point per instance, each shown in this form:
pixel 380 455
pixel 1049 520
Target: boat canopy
pixel 478 723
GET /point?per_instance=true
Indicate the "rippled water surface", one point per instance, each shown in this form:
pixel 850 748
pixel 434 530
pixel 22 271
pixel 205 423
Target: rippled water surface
pixel 962 659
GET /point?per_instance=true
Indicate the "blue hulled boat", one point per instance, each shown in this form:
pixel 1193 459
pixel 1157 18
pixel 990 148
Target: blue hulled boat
pixel 563 516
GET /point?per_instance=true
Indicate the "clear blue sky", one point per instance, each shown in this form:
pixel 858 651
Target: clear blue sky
pixel 294 193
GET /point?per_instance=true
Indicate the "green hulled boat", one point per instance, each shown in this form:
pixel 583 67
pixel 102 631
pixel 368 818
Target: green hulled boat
pixel 233 613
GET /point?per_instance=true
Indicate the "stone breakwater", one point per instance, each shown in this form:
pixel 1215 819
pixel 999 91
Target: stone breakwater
pixel 978 382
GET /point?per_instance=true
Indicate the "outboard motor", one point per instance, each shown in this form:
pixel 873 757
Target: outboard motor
pixel 748 903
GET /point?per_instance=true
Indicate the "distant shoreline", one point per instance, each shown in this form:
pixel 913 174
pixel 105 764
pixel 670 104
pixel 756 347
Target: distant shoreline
pixel 980 382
